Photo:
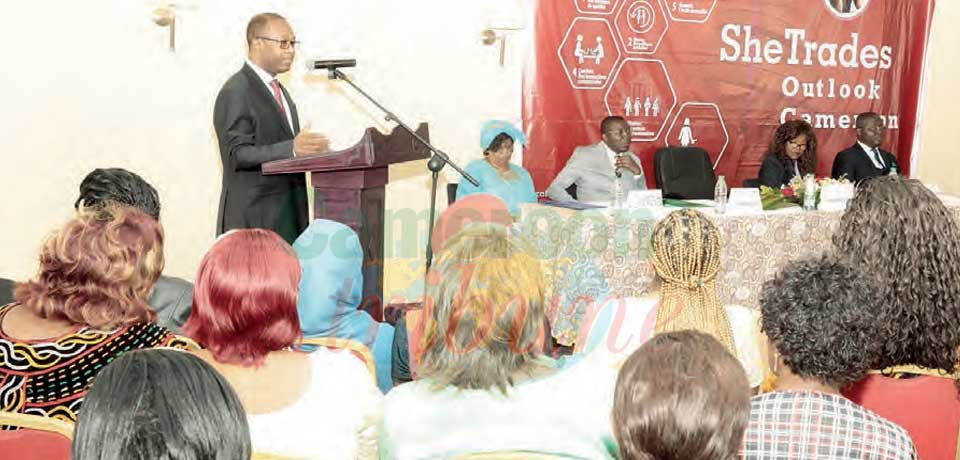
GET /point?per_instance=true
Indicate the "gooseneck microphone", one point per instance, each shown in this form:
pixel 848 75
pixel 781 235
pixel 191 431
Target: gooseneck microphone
pixel 330 64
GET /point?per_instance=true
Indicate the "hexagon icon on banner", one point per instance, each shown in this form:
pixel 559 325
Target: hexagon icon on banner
pixel 691 10
pixel 641 25
pixel 642 93
pixel 699 124
pixel 588 53
pixel 596 6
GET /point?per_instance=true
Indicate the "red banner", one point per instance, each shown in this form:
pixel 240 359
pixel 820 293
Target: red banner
pixel 721 76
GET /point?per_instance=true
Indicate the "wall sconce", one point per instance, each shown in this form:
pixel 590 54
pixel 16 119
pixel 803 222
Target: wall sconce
pixel 164 16
pixel 489 37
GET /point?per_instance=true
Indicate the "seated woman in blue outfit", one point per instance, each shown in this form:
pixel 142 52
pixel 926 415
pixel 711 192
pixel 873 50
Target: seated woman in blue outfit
pixel 496 175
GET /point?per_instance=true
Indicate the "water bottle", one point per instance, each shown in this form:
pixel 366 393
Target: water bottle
pixel 809 193
pixel 617 193
pixel 720 194
pixel 893 171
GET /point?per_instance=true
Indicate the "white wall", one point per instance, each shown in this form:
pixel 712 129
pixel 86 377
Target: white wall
pixel 92 84
pixel 940 111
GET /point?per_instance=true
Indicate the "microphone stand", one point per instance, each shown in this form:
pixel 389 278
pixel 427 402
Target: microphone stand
pixel 438 159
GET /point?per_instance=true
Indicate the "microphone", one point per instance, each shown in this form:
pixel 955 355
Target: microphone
pixel 330 64
pixel 616 170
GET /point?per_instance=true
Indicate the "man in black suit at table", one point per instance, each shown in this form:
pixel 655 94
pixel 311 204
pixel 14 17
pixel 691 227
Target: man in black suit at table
pixel 256 122
pixel 865 159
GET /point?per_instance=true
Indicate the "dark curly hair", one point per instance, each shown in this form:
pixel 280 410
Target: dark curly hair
pixel 900 233
pixel 807 163
pixel 105 186
pixel 815 314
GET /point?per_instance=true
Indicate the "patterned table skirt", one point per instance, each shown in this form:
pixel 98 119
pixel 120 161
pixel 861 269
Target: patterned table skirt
pixel 596 256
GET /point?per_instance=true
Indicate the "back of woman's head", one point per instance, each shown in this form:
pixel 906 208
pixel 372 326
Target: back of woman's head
pixel 161 404
pixel 681 396
pixel 107 186
pixel 484 309
pixel 98 269
pixel 901 234
pixel 685 249
pixel 245 297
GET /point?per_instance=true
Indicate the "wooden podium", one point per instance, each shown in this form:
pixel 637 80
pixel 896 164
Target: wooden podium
pixel 349 188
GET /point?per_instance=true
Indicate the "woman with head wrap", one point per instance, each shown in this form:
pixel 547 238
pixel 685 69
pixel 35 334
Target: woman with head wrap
pixel 495 173
pixel 331 260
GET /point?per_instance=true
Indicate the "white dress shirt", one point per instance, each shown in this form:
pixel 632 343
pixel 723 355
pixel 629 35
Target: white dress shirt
pixel 612 156
pixel 267 78
pixel 874 155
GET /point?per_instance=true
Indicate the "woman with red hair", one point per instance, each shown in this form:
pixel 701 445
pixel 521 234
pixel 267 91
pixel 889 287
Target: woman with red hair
pixel 244 314
pixel 86 306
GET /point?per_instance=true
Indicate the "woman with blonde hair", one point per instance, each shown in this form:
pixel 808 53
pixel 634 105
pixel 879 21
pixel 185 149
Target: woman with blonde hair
pixel 685 253
pixel 483 384
pixel 86 306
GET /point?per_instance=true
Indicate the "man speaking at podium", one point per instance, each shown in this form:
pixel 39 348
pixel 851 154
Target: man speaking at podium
pixel 256 122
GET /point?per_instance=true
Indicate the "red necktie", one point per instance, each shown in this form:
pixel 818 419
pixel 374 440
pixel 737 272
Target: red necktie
pixel 276 94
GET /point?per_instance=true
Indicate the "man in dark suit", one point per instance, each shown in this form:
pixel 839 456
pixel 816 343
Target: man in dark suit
pixel 256 122
pixel 865 159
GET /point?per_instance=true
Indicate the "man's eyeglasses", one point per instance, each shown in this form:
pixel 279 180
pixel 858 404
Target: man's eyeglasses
pixel 284 44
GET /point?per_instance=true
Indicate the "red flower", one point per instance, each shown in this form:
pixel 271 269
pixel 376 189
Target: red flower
pixel 787 192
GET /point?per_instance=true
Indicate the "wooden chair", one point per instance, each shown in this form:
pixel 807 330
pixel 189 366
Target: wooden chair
pixel 38 437
pixel 192 345
pixel 354 347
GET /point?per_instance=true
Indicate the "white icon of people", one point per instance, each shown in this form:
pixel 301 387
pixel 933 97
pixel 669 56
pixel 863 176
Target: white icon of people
pixel 640 16
pixel 656 106
pixel 598 51
pixel 686 134
pixel 646 107
pixel 627 107
pixel 578 51
pixel 636 107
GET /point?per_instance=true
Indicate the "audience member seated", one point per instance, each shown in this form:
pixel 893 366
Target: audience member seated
pixel 476 208
pixel 900 233
pixel 86 306
pixel 597 169
pixel 161 404
pixel 686 257
pixel 792 152
pixel 171 296
pixel 815 315
pixel 495 173
pixel 301 405
pixel 6 291
pixel 330 291
pixel 483 384
pixel 680 396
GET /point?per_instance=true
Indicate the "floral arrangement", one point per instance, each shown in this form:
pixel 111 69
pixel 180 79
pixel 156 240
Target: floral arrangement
pixel 792 194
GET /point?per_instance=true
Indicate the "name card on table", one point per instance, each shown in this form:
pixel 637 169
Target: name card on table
pixel 834 197
pixel 645 199
pixel 745 198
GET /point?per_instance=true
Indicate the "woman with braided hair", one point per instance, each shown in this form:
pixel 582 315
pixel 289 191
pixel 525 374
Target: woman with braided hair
pixel 685 253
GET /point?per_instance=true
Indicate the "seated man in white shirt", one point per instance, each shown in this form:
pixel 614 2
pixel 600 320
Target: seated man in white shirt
pixel 598 169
